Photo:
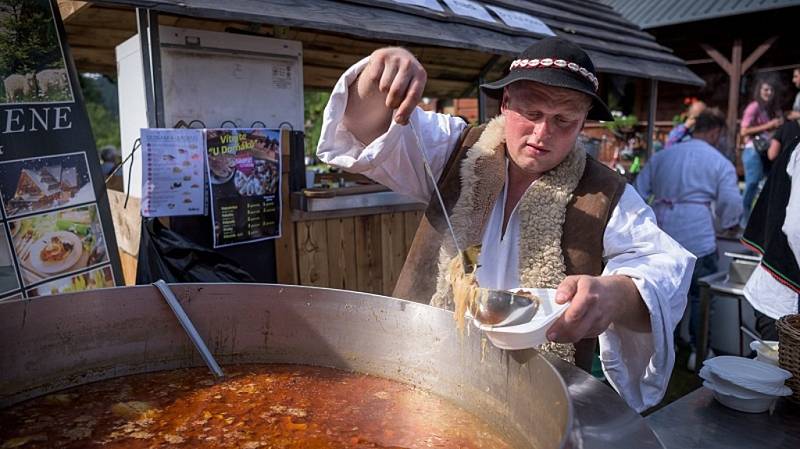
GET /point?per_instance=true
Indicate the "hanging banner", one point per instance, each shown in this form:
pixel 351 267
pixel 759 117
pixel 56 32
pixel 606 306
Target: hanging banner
pixel 56 221
pixel 244 172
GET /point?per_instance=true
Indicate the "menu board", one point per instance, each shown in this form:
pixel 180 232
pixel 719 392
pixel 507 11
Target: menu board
pixel 56 234
pixel 244 171
pixel 173 172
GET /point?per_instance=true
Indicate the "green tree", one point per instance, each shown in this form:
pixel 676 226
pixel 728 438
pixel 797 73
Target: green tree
pixel 314 105
pixel 104 120
pixel 28 38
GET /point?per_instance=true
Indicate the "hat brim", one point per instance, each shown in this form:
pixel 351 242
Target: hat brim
pixel 550 77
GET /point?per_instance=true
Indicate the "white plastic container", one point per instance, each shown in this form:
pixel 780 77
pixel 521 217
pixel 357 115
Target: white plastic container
pixel 733 389
pixel 532 333
pixel 747 405
pixel 766 354
pixel 750 374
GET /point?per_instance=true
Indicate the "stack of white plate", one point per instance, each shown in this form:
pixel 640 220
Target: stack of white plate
pixel 745 384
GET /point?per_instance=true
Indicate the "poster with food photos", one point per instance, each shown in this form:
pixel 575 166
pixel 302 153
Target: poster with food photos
pixel 55 220
pixel 58 243
pixel 173 180
pixel 244 172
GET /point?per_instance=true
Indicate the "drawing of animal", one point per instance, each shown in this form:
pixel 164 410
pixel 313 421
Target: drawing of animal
pixel 19 86
pixel 51 81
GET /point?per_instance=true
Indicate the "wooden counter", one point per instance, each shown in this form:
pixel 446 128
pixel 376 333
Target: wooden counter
pixel 355 249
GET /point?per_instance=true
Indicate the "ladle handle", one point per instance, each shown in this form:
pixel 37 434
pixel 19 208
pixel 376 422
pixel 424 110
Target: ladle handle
pixel 436 189
pixel 753 336
pixel 183 318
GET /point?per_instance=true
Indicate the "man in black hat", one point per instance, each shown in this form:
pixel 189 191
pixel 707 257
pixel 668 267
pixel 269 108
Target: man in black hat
pixel 546 215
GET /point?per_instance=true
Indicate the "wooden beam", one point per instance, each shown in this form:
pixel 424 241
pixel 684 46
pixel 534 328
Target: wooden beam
pixel 102 17
pixel 89 36
pixel 718 58
pixel 326 77
pixel 69 9
pixel 699 61
pixel 733 92
pixel 96 57
pixel 757 53
pixel 341 59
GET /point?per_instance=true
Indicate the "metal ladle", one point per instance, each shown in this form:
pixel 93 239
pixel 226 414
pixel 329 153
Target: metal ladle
pixel 496 307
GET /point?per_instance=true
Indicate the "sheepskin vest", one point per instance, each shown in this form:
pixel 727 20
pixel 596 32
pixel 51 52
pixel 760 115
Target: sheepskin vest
pixel 562 219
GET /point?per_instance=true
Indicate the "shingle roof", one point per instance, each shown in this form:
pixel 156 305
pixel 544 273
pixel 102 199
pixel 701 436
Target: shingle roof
pixel 615 44
pixel 656 13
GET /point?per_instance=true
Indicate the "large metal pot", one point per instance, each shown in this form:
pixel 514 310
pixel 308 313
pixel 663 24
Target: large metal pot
pixel 48 344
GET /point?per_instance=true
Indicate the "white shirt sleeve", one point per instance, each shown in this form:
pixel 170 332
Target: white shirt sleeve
pixel 393 159
pixel 791 226
pixel 638 365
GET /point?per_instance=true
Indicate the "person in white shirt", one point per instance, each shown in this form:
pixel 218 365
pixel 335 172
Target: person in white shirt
pixel 545 214
pixel 694 187
pixel 774 232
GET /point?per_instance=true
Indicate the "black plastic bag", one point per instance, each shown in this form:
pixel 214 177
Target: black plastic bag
pixel 165 254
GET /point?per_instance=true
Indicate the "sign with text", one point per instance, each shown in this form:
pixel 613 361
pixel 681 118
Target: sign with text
pixel 468 8
pixel 244 172
pixel 173 178
pixel 54 211
pixel 516 19
pixel 430 4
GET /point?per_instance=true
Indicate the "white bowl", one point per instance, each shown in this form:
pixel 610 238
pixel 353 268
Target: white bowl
pixel 766 354
pixel 750 374
pixel 753 405
pixel 532 333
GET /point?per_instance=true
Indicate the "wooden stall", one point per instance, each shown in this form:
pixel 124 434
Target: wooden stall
pixel 364 248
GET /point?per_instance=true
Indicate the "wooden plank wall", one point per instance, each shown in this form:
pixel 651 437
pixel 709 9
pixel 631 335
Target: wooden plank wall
pixel 363 253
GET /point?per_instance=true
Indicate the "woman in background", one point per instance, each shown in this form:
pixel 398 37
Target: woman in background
pixel 761 117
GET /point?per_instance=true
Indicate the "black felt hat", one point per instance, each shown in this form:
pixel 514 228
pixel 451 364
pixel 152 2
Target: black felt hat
pixel 555 62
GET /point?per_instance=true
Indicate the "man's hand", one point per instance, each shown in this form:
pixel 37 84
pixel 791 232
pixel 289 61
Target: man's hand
pixel 396 73
pixel 390 85
pixel 596 303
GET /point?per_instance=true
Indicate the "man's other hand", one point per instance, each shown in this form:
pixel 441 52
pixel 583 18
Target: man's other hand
pixel 596 303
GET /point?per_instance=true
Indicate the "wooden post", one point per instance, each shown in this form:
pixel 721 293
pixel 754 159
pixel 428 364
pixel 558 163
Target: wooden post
pixel 483 100
pixel 735 68
pixel 733 92
pixel 651 116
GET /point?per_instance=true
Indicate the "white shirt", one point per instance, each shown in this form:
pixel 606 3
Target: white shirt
pixel 638 365
pixel 692 184
pixel 762 290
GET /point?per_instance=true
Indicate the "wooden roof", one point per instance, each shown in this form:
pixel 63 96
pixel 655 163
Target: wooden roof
pixel 454 49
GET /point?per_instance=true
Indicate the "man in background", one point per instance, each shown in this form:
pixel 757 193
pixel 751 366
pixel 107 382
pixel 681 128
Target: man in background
pixel 683 131
pixel 693 185
pixel 795 113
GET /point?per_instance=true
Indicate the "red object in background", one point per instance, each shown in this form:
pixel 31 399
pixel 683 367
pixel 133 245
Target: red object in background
pixel 688 101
